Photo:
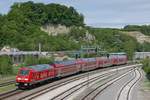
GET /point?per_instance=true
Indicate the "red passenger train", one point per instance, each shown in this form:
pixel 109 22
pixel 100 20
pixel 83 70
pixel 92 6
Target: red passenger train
pixel 27 76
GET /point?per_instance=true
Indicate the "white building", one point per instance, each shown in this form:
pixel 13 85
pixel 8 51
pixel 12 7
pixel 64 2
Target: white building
pixel 141 55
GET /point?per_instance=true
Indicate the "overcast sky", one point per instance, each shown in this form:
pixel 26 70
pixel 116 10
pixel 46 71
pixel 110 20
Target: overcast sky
pixel 101 13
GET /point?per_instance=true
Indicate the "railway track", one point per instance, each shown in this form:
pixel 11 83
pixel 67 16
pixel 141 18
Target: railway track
pixel 10 93
pixel 7 83
pixel 125 91
pixel 24 94
pixel 50 88
pixel 119 94
pixel 129 92
pixel 94 93
pixel 99 89
pixel 92 82
pixel 84 83
pixel 61 96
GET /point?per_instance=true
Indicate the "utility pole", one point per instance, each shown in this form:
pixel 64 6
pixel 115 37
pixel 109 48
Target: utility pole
pixel 40 48
pixel 117 44
pixel 88 79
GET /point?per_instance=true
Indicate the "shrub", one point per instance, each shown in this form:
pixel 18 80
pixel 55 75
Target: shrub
pixel 30 60
pixel 5 65
pixel 17 66
pixel 44 60
pixel 146 65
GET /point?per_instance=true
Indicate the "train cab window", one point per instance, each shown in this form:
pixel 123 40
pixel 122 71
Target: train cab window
pixel 24 72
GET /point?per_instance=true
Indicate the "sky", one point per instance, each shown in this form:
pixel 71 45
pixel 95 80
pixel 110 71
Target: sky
pixel 101 13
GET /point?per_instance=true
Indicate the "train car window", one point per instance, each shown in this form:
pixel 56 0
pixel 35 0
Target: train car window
pixel 41 67
pixel 24 72
pixel 70 62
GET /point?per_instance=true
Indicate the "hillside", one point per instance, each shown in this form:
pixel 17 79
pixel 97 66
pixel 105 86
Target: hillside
pixel 58 28
pixel 55 30
pixel 21 27
pixel 141 38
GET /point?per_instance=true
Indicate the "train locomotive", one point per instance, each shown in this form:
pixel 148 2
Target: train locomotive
pixel 30 75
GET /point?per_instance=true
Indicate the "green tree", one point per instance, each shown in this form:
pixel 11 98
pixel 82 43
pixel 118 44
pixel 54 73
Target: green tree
pixel 146 65
pixel 30 60
pixel 145 29
pixel 5 65
pixel 21 26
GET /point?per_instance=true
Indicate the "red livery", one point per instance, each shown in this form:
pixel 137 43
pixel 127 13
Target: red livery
pixel 27 76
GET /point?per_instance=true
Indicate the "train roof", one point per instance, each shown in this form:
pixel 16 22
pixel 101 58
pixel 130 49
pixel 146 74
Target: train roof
pixel 69 62
pixel 40 67
pixel 88 59
pixel 120 53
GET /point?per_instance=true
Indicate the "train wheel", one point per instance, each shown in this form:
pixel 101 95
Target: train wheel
pixel 20 86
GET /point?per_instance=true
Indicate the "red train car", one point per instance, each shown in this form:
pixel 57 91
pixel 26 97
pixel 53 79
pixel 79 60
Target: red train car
pixel 118 58
pixel 104 62
pixel 64 68
pixel 89 64
pixel 30 75
pixel 27 76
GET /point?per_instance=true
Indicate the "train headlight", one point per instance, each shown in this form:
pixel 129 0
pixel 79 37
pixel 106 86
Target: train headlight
pixel 19 78
pixel 26 79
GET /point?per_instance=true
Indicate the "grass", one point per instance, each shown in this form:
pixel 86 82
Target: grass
pixel 146 84
pixel 7 88
pixel 7 78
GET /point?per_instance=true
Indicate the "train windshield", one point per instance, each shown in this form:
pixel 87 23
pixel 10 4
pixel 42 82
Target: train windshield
pixel 24 72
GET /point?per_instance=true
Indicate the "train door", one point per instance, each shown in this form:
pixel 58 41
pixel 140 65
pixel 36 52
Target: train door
pixel 51 73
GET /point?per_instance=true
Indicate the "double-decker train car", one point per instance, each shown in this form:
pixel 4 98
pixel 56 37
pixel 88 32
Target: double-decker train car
pixel 118 58
pixel 64 68
pixel 88 64
pixel 27 76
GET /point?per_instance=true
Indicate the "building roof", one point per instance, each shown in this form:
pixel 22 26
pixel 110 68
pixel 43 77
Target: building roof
pixel 120 53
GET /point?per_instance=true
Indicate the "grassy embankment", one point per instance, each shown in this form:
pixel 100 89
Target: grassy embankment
pixel 146 68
